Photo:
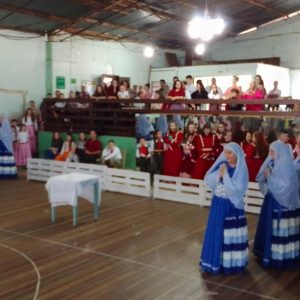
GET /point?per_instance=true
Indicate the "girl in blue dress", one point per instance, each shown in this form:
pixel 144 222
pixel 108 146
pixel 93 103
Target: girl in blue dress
pixel 277 238
pixel 225 246
pixel 8 168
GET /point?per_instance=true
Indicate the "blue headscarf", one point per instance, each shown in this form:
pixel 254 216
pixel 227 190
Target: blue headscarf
pixel 162 124
pixel 282 181
pixel 6 134
pixel 236 183
pixel 143 127
pixel 297 168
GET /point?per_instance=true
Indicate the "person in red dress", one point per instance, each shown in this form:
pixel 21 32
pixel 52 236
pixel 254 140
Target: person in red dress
pixel 250 152
pixel 208 149
pixel 259 154
pixel 190 155
pixel 173 152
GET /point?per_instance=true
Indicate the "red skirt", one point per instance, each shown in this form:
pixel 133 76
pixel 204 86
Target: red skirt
pixel 201 167
pixel 172 162
pixel 187 165
pixel 253 165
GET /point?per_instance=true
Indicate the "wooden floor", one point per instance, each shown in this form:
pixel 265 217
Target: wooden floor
pixel 139 249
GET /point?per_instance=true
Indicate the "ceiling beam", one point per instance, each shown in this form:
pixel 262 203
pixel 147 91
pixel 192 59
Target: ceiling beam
pixel 267 7
pixel 28 12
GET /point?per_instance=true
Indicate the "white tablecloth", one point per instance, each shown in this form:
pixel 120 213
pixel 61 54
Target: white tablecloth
pixel 65 189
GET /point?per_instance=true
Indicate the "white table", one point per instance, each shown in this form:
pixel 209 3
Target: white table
pixel 65 190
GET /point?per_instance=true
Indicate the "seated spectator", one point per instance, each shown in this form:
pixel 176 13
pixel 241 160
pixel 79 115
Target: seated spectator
pixel 83 93
pixel 200 93
pixel 234 86
pixel 123 93
pixel 92 149
pixel 72 95
pixel 234 95
pixel 113 89
pixel 177 93
pixel 57 94
pixel 55 148
pixel 214 95
pixel 143 155
pixel 111 155
pixel 100 93
pixel 132 92
pixel 210 87
pixel 67 152
pixel 253 93
pixel 80 149
pixel 190 84
pixel 275 93
pixel 164 89
pixel 187 92
pixel 147 87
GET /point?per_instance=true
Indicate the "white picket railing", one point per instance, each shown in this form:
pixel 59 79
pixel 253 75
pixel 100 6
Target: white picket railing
pixel 115 180
pixel 43 169
pixel 178 189
pixel 129 182
pixel 194 191
pixel 184 190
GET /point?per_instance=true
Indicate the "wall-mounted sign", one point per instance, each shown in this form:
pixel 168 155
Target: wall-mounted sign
pixel 60 82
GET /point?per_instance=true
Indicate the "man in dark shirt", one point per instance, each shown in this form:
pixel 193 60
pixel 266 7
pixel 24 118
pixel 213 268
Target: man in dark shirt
pixel 92 148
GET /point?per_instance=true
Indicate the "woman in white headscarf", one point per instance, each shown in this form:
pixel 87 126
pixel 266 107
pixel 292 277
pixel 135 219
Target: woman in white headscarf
pixel 8 168
pixel 277 239
pixel 225 246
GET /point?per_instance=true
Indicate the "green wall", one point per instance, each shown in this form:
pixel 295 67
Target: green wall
pixel 127 144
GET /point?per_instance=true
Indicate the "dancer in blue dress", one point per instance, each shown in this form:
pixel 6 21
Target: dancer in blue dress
pixel 277 238
pixel 8 168
pixel 225 246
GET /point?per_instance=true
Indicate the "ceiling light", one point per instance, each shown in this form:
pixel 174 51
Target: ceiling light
pixel 205 27
pixel 200 48
pixel 149 51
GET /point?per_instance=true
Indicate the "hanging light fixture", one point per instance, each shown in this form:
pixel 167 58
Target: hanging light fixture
pixel 149 51
pixel 200 48
pixel 205 28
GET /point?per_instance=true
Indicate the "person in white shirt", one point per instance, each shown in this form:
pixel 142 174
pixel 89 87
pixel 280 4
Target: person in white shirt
pixel 274 94
pixel 23 147
pixel 111 155
pixel 190 87
pixel 214 83
pixel 123 93
pixel 31 125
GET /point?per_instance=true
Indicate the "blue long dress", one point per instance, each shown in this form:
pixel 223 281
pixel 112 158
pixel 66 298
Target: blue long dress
pixel 225 247
pixel 277 239
pixel 8 169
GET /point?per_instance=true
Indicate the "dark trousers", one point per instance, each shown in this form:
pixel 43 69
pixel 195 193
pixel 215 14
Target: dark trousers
pixel 81 154
pixel 158 161
pixel 90 159
pixel 144 164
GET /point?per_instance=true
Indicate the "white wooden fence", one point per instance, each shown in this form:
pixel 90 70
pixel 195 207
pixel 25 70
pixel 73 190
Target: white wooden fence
pixel 194 191
pixel 115 180
pixel 184 190
pixel 129 182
